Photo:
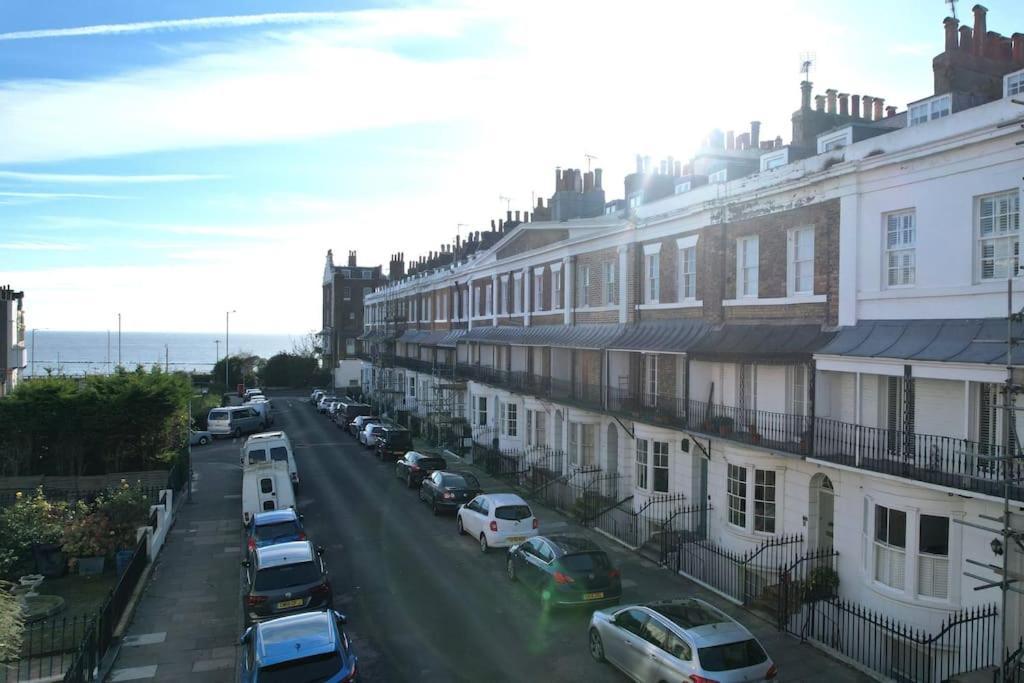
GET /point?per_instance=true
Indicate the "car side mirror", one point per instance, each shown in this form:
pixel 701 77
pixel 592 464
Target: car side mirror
pixel 340 618
pixel 320 550
pixel 245 636
pixel 246 563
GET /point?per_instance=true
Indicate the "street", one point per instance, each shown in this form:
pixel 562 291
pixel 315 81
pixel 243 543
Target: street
pixel 424 604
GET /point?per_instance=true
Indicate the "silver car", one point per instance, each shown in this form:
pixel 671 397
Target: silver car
pixel 678 640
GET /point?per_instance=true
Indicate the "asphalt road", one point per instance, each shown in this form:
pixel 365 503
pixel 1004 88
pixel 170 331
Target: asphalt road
pixel 423 602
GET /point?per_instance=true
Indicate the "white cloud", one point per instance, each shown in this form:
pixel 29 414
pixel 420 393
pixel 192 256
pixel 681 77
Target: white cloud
pixel 40 246
pixel 98 178
pixel 58 195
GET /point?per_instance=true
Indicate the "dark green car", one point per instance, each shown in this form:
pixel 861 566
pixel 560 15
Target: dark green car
pixel 566 570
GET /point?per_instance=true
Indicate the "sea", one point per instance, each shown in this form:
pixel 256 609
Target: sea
pixel 90 353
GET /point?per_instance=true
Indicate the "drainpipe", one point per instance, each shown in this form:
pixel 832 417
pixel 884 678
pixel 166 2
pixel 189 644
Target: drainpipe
pixel 811 385
pixel 857 417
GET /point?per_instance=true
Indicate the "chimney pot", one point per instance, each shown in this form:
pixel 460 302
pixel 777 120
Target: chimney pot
pixel 597 178
pixel 844 104
pixel 830 95
pixel 855 106
pixel 492 224
pixel 517 217
pixel 879 101
pixel 819 103
pixel 508 216
pixel 950 24
pixel 588 181
pixel 805 95
pixel 501 225
pixel 890 111
pixel 979 29
pixel 755 134
pixel 868 99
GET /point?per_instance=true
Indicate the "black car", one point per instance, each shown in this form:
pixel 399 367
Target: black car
pixel 565 569
pixel 284 579
pixel 393 442
pixel 449 490
pixel 414 467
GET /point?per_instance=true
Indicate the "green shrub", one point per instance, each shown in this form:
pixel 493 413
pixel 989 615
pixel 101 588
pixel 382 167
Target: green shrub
pixel 32 519
pixel 127 508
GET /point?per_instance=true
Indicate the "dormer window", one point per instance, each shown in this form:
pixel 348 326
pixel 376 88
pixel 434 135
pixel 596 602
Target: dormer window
pixel 719 176
pixel 636 199
pixel 774 160
pixel 1013 84
pixel 835 141
pixel 929 110
pixel 683 187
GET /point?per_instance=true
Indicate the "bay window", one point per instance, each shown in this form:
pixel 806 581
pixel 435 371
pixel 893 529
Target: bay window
pixel 736 495
pixel 890 546
pixel 641 463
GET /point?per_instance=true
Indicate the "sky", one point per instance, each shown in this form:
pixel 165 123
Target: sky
pixel 172 161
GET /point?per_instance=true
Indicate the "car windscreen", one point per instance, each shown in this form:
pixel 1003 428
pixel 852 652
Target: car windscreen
pixel 279 454
pixel 278 531
pixel 257 455
pixel 460 481
pixel 731 656
pixel 218 415
pixel 586 562
pixel 432 463
pixel 513 512
pixel 276 578
pixel 316 668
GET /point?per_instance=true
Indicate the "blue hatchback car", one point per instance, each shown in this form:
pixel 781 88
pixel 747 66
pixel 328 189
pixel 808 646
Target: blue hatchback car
pixel 273 527
pixel 311 646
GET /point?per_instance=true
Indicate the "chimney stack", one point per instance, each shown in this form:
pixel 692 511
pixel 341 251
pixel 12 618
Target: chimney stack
pixel 588 181
pixel 501 225
pixel 805 95
pixel 844 104
pixel 597 178
pixel 492 225
pixel 755 134
pixel 730 140
pixel 855 106
pixel 558 178
pixel 351 259
pixel 508 216
pixel 979 30
pixel 867 107
pixel 819 103
pixel 890 111
pixel 517 217
pixel 639 164
pixel 830 95
pixel 879 101
pixel 966 40
pixel 679 168
pixel 743 141
pixel 951 24
pixel 1017 48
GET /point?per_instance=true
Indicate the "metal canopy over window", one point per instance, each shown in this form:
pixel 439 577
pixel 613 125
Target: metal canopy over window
pixel 763 342
pixel 961 341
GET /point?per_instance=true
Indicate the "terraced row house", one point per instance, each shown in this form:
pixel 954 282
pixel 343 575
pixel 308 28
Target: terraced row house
pixel 795 343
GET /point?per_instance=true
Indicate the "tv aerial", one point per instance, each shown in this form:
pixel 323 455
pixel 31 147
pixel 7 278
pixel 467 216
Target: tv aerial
pixel 806 62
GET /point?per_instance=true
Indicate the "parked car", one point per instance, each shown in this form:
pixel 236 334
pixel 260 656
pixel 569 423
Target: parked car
pixel 251 393
pixel 324 403
pixel 368 437
pixel 300 647
pixel 351 409
pixel 497 520
pixel 200 437
pixel 234 421
pixel 285 578
pixel 277 526
pixel 263 407
pixel 565 569
pixel 316 395
pixel 675 640
pixel 359 423
pixel 394 441
pixel 449 490
pixel 414 467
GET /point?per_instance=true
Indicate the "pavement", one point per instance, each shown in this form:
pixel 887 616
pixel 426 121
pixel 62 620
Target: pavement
pixel 423 603
pixel 188 619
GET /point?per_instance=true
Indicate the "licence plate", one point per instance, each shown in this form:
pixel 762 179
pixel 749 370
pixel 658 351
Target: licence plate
pixel 285 604
pixel 593 596
pixel 516 539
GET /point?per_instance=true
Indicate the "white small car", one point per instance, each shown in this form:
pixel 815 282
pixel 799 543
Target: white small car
pixel 497 520
pixel 368 437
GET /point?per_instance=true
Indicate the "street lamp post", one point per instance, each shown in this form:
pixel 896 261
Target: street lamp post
pixel 217 357
pixel 227 352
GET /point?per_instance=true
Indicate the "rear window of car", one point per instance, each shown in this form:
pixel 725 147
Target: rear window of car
pixel 279 453
pixel 515 512
pixel 460 481
pixel 275 578
pixel 432 463
pixel 218 415
pixel 731 656
pixel 586 562
pixel 257 455
pixel 316 668
pixel 268 532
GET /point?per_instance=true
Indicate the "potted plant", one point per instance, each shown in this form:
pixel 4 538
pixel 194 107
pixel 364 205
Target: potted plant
pixel 755 436
pixel 725 425
pixel 822 583
pixel 88 538
pixel 30 534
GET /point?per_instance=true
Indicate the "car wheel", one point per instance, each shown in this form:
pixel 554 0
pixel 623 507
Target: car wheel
pixel 483 544
pixel 203 441
pixel 462 529
pixel 596 645
pixel 510 569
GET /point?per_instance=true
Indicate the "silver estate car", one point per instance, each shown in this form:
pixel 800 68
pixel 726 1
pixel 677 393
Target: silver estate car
pixel 678 640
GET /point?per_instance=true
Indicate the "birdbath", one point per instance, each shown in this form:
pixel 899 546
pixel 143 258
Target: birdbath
pixel 35 606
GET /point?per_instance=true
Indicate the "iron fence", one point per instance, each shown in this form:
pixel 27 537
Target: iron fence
pixel 966 641
pixel 47 644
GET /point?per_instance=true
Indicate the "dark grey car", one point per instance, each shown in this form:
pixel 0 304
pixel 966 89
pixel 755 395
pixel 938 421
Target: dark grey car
pixel 284 579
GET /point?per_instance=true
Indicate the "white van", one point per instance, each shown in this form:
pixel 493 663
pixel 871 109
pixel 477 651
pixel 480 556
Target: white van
pixel 266 487
pixel 270 447
pixel 263 407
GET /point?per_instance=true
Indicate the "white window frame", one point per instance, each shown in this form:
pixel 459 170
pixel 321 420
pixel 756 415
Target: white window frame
pixel 797 402
pixel 747 275
pixel 610 286
pixel 929 110
pixel 682 187
pixel 1010 236
pixel 652 273
pixel 798 262
pixel 933 568
pixel 583 287
pixel 775 160
pixel 642 463
pixel 1013 84
pixel 766 500
pixel 538 289
pixel 737 486
pixel 517 293
pixel 650 379
pixel 899 235
pixel 502 294
pixel 412 386
pixel 660 464
pixel 687 274
pixel 635 199
pixel 719 176
pixel 511 411
pixel 481 411
pixel 556 289
pixel 890 560
pixel 835 141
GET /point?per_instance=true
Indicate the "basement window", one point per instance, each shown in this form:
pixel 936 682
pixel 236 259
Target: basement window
pixel 929 110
